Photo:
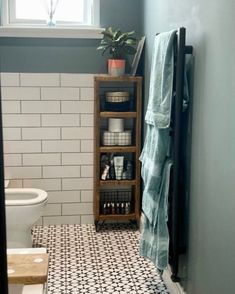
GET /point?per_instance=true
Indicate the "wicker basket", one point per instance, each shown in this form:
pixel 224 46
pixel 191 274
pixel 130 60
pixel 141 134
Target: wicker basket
pixel 117 138
pixel 115 97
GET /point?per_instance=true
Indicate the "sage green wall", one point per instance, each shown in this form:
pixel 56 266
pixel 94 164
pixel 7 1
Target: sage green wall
pixel 210 29
pixel 68 55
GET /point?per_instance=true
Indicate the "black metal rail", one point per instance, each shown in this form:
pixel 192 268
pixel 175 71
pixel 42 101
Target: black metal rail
pixel 180 51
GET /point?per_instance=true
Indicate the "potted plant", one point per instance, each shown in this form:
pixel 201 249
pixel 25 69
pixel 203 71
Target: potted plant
pixel 118 44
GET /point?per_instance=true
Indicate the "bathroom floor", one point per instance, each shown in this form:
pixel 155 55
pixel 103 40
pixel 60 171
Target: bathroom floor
pixel 84 261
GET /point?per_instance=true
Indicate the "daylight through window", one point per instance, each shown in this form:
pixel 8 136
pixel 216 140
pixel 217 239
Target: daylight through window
pixel 52 12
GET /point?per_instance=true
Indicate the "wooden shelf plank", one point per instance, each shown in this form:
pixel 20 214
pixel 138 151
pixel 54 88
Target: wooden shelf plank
pixel 118 182
pixel 112 149
pixel 117 216
pixel 27 268
pixel 124 78
pixel 124 114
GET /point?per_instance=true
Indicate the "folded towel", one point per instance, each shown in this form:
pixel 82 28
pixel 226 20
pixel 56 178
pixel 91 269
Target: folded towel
pixel 161 81
pixel 154 241
pixel 153 156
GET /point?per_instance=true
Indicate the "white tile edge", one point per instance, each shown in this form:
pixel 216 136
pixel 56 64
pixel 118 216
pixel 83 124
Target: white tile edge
pixel 173 288
pixel 55 32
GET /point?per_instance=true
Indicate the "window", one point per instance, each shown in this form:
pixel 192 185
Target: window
pixel 50 12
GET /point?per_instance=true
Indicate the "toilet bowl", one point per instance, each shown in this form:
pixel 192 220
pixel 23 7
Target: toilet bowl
pixel 24 207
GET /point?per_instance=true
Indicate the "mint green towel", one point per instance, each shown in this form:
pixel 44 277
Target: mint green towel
pixel 154 242
pixel 153 156
pixel 161 81
pixel 155 166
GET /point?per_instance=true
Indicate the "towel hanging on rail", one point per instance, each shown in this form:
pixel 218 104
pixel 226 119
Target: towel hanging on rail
pixel 154 242
pixel 161 81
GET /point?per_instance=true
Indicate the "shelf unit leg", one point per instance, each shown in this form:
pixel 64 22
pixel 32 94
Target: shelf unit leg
pixel 96 225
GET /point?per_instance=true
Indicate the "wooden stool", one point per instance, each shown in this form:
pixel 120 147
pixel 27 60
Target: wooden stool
pixel 27 269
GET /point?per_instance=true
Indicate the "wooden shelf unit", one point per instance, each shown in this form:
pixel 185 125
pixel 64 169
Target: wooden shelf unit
pixel 101 82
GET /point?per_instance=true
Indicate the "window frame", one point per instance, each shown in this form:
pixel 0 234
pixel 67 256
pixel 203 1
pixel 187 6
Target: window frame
pixel 9 19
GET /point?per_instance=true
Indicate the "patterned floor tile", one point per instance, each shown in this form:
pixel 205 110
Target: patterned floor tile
pixel 85 261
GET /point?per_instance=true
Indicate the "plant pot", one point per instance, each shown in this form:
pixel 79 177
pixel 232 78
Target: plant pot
pixel 116 67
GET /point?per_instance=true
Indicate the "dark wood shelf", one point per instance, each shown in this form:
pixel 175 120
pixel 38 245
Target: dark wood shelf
pixel 122 79
pixel 117 216
pixel 113 149
pixel 117 182
pixel 122 114
pixel 132 116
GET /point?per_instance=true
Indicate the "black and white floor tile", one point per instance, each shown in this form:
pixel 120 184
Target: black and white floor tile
pixel 85 261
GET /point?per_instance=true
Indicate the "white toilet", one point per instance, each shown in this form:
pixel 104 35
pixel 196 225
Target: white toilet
pixel 24 206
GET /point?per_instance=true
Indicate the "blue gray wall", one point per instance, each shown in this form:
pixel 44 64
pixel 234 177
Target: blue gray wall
pixel 68 55
pixel 211 257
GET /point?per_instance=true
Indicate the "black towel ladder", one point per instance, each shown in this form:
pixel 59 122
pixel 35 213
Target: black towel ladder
pixel 180 51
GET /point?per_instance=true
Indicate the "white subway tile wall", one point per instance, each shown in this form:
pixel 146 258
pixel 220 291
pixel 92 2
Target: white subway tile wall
pixel 48 140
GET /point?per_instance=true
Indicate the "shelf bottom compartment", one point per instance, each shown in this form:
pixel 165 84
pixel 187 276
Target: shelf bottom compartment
pixel 115 202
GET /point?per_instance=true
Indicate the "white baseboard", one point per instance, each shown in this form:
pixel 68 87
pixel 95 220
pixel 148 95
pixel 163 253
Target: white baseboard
pixel 173 288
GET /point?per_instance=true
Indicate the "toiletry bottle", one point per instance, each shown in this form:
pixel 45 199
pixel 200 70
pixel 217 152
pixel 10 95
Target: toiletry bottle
pixel 105 208
pixel 129 170
pixel 112 170
pixel 108 208
pixel 113 208
pixel 118 208
pixel 127 208
pixel 122 208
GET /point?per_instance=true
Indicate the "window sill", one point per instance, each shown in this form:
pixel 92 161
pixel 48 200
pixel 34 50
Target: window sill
pixel 51 32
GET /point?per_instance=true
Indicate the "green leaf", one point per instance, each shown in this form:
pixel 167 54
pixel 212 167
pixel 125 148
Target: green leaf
pixel 117 43
pixel 130 42
pixel 130 50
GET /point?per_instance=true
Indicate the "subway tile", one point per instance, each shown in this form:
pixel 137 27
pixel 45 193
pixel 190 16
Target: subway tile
pixel 61 146
pixel 10 79
pixel 77 80
pixel 61 171
pixel 77 158
pixel 21 120
pixel 60 93
pixel 78 133
pixel 10 107
pixel 87 146
pixel 52 209
pixel 40 79
pixel 87 171
pixel 20 93
pixel 11 134
pixel 87 219
pixel 77 107
pixel 12 160
pixel 87 120
pixel 40 133
pixel 22 146
pixel 87 93
pixel 77 208
pixel 23 172
pixel 77 184
pixel 44 184
pixel 63 120
pixel 87 196
pixel 64 196
pixel 40 107
pixel 15 184
pixel 61 220
pixel 42 159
